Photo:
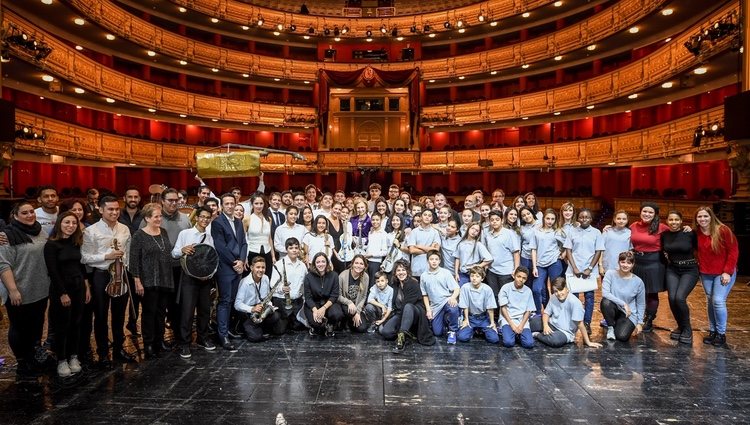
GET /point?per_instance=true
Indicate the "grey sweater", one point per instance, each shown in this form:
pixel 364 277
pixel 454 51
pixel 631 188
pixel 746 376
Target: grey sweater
pixel 26 261
pixel 626 291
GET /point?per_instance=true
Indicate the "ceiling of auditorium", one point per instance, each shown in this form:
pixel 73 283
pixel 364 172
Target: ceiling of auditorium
pixel 335 7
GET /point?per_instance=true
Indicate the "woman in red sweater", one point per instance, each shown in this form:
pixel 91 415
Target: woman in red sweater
pixel 717 259
pixel 645 235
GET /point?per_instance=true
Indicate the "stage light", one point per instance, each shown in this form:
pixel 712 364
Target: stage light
pixel 667 85
pixel 413 29
pixel 326 31
pixel 368 33
pixel 280 26
pixel 336 31
pixel 460 23
pixel 667 12
pixel 344 29
pixel 447 25
pixel 383 29
pixel 480 17
pixel 311 30
pixel 394 32
pixel 426 29
pixel 292 28
pixel 214 20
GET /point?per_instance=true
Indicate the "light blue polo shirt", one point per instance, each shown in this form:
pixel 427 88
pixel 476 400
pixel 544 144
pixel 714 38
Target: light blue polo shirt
pixel 477 300
pixel 518 301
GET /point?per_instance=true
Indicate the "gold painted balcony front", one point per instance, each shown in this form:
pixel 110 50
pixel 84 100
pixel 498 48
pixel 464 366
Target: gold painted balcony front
pixel 246 14
pixel 670 60
pixel 598 27
pixel 664 141
pixel 65 62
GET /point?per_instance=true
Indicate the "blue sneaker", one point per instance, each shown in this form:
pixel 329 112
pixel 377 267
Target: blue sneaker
pixel 451 338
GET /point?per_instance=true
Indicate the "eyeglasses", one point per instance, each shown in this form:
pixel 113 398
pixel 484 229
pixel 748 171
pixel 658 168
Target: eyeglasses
pixel 172 201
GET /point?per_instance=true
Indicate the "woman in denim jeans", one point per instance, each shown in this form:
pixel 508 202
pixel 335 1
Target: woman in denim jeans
pixel 717 258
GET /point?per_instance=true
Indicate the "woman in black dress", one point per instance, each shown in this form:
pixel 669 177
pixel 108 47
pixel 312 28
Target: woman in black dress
pixel 151 265
pixel 321 286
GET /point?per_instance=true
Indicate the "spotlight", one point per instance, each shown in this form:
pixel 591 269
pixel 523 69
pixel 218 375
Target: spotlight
pixel 460 23
pixel 394 32
pixel 698 135
pixel 426 28
pixel 344 29
pixel 480 18
pixel 447 25
pixel 326 31
pixel 368 33
pixel 383 29
pixel 311 30
pixel 336 31
pixel 280 26
pixel 260 20
pixel 413 29
pixel 292 28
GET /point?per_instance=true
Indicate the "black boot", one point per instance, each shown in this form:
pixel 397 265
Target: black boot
pixel 710 338
pixel 648 323
pixel 720 340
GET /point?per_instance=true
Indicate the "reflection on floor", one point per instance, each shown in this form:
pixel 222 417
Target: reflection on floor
pixel 299 379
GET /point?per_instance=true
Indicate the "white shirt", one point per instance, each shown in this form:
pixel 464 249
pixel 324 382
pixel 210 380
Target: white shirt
pixel 295 276
pixel 258 234
pixel 378 245
pixel 189 237
pixel 98 240
pixel 285 232
pixel 316 244
pixel 249 294
pixel 46 219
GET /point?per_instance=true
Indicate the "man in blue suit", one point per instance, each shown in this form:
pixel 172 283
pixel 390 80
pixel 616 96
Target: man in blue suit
pixel 231 245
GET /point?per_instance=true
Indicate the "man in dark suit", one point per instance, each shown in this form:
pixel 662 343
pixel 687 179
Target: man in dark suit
pixel 231 245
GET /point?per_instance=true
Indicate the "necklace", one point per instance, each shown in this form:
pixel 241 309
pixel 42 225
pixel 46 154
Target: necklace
pixel 162 245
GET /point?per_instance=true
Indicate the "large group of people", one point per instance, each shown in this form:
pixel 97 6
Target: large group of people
pixel 403 268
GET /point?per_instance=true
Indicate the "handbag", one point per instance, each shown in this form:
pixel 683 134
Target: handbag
pixel 578 284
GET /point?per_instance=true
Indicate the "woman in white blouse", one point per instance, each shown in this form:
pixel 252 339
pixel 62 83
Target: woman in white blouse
pixel 259 242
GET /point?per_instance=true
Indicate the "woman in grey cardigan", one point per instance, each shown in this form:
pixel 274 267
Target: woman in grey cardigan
pixel 623 300
pixel 24 275
pixel 353 284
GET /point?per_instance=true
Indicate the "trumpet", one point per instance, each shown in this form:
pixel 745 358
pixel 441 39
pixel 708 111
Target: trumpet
pixel 268 308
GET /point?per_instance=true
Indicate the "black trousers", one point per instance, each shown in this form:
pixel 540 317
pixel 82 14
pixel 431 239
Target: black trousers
pixel 496 281
pixel 194 293
pixel 254 331
pixel 155 302
pixel 615 317
pixel 107 309
pixel 349 318
pixel 26 324
pixel 67 322
pixel 288 318
pixel 401 322
pixel 333 314
pixel 174 312
pixel 680 283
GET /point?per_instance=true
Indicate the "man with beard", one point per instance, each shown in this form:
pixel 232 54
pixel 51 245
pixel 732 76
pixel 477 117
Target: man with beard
pixel 46 214
pixel 131 217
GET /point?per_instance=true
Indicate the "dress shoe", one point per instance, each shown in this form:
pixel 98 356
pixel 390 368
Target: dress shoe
pixel 151 353
pixel 227 345
pixel 123 356
pixel 720 340
pixel 710 338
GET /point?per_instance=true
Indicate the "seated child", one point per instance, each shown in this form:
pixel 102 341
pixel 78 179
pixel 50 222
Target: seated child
pixel 562 318
pixel 516 302
pixel 379 302
pixel 478 303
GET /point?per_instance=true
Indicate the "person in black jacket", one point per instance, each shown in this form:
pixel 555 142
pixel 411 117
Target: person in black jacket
pixel 409 314
pixel 321 285
pixel 69 290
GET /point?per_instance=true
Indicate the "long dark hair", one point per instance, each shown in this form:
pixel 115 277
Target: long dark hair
pixel 76 237
pixel 654 225
pixel 313 270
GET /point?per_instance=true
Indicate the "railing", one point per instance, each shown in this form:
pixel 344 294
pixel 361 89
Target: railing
pixel 67 63
pixel 592 30
pixel 663 141
pixel 665 63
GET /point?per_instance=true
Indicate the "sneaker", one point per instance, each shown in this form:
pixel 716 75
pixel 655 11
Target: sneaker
pixel 206 344
pixel 227 345
pixel 451 337
pixel 675 334
pixel 611 333
pixel 372 329
pixel 329 331
pixel 603 323
pixel 74 364
pixel 686 337
pixel 710 338
pixel 63 370
pixel 185 352
pixel 535 334
pixel 400 343
pixel 587 325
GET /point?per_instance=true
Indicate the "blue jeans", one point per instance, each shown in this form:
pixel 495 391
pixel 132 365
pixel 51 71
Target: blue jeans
pixel 510 337
pixel 478 321
pixel 445 316
pixel 716 296
pixel 526 262
pixel 588 305
pixel 463 278
pixel 228 286
pixel 539 287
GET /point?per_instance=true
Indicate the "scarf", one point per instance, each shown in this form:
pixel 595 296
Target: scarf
pixel 18 233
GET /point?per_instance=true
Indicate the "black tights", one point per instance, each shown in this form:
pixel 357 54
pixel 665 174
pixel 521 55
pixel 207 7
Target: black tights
pixel 26 326
pixel 680 284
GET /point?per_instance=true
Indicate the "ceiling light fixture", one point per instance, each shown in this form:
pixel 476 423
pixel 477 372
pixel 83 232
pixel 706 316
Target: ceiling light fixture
pixel 109 100
pixel 591 47
pixel 667 85
pixel 79 21
pixel 79 90
pixel 48 78
pixel 183 62
pixel 700 70
pixel 182 9
pixel 667 12
pixel 634 30
pixel 633 96
pixel 558 58
pixel 215 20
pixel 526 14
pixel 151 53
pixel 109 37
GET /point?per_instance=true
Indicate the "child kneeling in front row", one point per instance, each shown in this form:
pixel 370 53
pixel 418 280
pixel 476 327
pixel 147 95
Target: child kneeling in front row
pixel 379 302
pixel 562 318
pixel 478 303
pixel 516 305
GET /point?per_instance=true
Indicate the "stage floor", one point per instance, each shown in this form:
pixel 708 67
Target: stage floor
pixel 355 379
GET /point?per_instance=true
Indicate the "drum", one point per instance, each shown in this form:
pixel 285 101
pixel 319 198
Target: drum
pixel 202 264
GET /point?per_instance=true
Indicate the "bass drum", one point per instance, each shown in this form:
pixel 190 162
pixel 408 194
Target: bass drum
pixel 202 264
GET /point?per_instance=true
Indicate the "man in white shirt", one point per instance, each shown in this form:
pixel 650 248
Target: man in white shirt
pixel 290 229
pixel 46 214
pixel 98 252
pixel 253 290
